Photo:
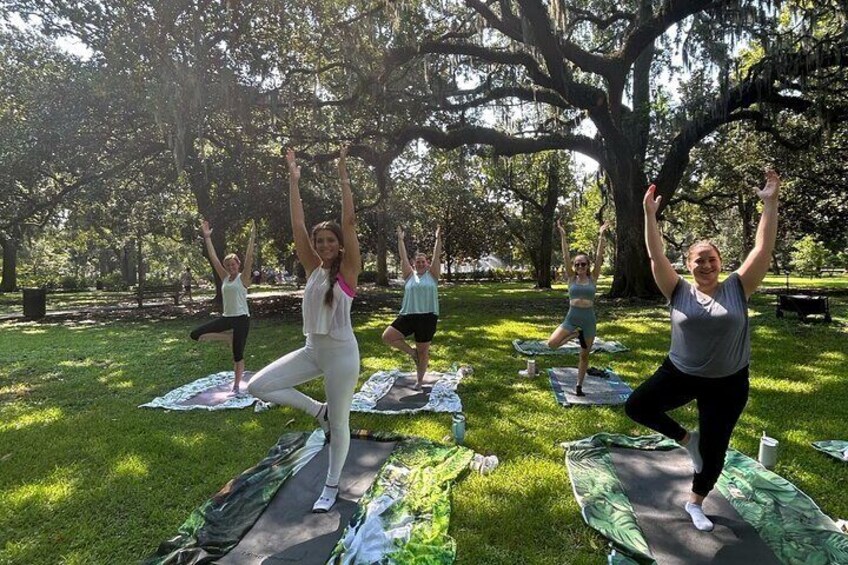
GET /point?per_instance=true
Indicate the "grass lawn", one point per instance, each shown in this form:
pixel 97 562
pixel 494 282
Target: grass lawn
pixel 88 478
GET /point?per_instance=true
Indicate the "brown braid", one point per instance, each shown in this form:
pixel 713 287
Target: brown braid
pixel 334 276
pixel 335 267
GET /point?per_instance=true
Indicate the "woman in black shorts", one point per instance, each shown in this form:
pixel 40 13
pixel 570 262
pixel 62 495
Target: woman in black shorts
pixel 419 312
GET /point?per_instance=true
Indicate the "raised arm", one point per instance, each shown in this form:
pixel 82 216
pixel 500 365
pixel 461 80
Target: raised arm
pixel 436 263
pixel 664 274
pixel 302 245
pixel 599 255
pixel 351 261
pixel 756 264
pixel 248 257
pixel 210 250
pixel 566 258
pixel 405 267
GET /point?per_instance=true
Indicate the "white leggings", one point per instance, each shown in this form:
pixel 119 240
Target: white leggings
pixel 338 361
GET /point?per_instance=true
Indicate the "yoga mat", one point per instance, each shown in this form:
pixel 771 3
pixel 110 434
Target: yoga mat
pixel 219 394
pixel 213 392
pixel 657 484
pixel 288 531
pixel 394 506
pixel 540 347
pixel 600 391
pixel 836 448
pixel 632 490
pixel 392 392
pixel 403 395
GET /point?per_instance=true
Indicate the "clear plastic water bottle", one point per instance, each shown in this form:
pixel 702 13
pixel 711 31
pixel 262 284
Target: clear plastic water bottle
pixel 458 428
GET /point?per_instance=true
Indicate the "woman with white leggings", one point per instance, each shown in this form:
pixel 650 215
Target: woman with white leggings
pixel 332 262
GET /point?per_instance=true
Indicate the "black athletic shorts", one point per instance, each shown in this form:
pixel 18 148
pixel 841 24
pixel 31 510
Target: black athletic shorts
pixel 422 325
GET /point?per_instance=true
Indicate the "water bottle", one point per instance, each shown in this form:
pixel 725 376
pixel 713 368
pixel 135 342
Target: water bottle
pixel 458 428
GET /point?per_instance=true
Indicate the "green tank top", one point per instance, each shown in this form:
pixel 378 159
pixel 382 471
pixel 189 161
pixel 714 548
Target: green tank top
pixel 420 295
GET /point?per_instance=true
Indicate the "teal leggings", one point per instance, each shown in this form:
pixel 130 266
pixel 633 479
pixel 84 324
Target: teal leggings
pixel 582 319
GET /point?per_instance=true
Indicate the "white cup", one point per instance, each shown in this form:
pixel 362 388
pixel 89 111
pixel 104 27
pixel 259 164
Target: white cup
pixel 768 451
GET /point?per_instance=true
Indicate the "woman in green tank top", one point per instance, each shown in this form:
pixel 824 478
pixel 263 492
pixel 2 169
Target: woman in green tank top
pixel 419 312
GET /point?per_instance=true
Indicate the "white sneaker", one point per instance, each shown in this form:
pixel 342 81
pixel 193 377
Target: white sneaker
pixel 326 500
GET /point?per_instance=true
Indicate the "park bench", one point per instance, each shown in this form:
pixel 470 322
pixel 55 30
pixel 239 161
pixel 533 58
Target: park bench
pixel 833 271
pixel 158 291
pixel 805 305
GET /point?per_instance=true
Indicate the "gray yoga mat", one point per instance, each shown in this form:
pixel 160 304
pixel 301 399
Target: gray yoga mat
pixel 288 532
pixel 216 395
pixel 657 483
pixel 606 391
pixel 402 395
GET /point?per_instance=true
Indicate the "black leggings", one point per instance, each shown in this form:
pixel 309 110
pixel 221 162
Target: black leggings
pixel 240 326
pixel 720 403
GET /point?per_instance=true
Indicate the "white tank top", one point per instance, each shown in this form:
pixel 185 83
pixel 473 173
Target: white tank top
pixel 235 297
pixel 318 317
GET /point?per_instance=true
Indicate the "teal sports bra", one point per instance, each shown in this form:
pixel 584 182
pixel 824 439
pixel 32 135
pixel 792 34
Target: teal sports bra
pixel 584 291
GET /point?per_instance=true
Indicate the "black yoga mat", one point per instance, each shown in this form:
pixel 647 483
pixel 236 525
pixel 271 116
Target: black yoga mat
pixel 403 396
pixel 658 484
pixel 288 531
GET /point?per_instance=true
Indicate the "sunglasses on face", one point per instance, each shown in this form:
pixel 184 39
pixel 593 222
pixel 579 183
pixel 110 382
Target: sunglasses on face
pixel 581 264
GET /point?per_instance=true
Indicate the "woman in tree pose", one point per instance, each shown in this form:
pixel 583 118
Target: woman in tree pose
pixel 419 311
pixel 332 262
pixel 582 286
pixel 710 345
pixel 236 316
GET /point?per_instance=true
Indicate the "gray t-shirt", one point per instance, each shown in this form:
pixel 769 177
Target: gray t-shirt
pixel 710 336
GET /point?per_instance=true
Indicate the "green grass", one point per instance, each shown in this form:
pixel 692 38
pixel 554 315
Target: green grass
pixel 86 477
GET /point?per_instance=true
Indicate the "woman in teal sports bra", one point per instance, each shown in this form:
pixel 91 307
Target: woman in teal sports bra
pixel 580 320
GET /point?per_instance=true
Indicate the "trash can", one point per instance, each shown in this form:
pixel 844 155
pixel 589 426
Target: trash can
pixel 35 303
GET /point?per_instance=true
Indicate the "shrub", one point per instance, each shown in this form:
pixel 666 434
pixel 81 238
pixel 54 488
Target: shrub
pixel 809 256
pixel 69 282
pixel 113 281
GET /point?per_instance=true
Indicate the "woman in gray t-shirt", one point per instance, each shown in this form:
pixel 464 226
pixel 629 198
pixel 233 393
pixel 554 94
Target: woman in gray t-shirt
pixel 710 345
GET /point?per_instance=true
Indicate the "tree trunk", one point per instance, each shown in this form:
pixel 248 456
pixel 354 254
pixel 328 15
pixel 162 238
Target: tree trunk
pixel 632 275
pixel 9 283
pixel 548 212
pixel 139 256
pixel 218 242
pixel 747 210
pixel 200 188
pixel 128 264
pixel 381 170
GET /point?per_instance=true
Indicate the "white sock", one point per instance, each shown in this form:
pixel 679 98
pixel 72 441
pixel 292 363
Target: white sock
pixel 693 447
pixel 326 500
pixel 696 512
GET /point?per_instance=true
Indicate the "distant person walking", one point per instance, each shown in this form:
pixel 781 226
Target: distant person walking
pixel 186 280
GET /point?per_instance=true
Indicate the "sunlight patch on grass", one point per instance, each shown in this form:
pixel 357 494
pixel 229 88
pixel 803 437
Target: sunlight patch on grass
pixel 58 487
pixel 34 331
pixel 131 466
pixel 32 418
pixel 191 440
pixel 14 390
pixel 119 384
pixel 791 386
